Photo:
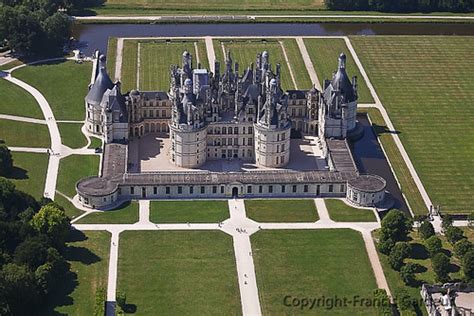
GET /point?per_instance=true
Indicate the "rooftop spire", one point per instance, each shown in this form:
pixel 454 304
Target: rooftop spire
pixel 342 61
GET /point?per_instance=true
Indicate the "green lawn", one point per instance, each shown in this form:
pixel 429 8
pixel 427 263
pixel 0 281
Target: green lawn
pixel 89 258
pixel 425 83
pixel 63 84
pixel 245 52
pixel 129 65
pixel 11 64
pixel 341 212
pixel 23 134
pixel 95 142
pixel 72 169
pixel 178 273
pixel 311 264
pixel 69 208
pixel 125 214
pixel 157 57
pixel 29 174
pixel 16 101
pixel 297 63
pixel 111 56
pixel 281 210
pixel 408 185
pixel 188 211
pixel 324 55
pixel 71 135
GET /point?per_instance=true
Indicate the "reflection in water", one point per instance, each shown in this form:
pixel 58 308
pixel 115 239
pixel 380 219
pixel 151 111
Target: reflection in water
pixel 369 157
pixel 94 36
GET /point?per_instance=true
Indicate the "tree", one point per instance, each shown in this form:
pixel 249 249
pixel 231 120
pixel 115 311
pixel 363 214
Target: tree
pixel 395 227
pixel 468 266
pixel 405 302
pixel 399 252
pixel 32 253
pixel 461 247
pixel 121 299
pixel 440 264
pixel 52 222
pixel 20 289
pixel 446 221
pixel 407 273
pixel 382 302
pixel 6 161
pixel 57 30
pixel 433 245
pixel 453 234
pixel 426 230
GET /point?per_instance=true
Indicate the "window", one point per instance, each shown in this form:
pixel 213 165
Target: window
pixel 167 190
pixel 342 189
pixel 294 188
pixel 331 188
pixel 249 189
pixel 222 189
pixel 260 189
pixel 305 188
pixel 236 130
pixel 163 113
pixel 203 190
pixel 283 189
pixel 250 141
pixel 214 189
pixel 282 136
pixel 180 190
pixel 132 190
pixel 191 190
pixel 155 190
pixel 282 159
pixel 224 130
pixel 270 189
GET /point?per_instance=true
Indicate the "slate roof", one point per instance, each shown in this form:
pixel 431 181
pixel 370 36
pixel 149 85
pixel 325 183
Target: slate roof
pixel 101 84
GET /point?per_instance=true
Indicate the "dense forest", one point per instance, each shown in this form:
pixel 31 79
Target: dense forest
pixel 405 6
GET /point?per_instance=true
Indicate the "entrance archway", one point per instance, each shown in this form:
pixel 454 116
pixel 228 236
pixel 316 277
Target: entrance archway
pixel 235 192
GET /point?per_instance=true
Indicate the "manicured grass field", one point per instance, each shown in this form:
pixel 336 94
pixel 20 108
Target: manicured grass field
pixel 71 135
pixel 324 53
pixel 188 211
pixel 29 174
pixel 89 259
pixel 281 210
pixel 63 84
pixel 72 169
pixel 111 56
pixel 245 52
pixel 16 101
pixel 341 212
pixel 69 208
pixel 23 134
pixel 178 273
pixel 95 142
pixel 11 64
pixel 129 65
pixel 311 263
pixel 297 64
pixel 426 85
pixel 408 186
pixel 157 57
pixel 125 214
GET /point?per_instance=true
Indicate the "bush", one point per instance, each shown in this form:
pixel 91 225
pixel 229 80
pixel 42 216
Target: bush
pixel 121 299
pixel 447 221
pixel 433 245
pixel 426 230
pixel 440 264
pixel 407 273
pixel 399 252
pixel 468 266
pixel 461 247
pixel 386 246
pixel 382 302
pixel 405 303
pixel 100 299
pixel 395 227
pixel 453 234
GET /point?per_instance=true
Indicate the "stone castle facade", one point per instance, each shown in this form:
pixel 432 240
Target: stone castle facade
pixel 224 115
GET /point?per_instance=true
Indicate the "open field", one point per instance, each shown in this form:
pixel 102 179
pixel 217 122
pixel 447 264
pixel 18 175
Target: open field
pixel 88 255
pixel 281 210
pixel 324 53
pixel 72 169
pixel 129 65
pixel 23 134
pixel 245 52
pixel 311 263
pixel 188 211
pixel 71 135
pixel 125 214
pixel 63 83
pixel 408 185
pixel 29 174
pixel 178 272
pixel 16 101
pixel 156 58
pixel 341 212
pixel 426 84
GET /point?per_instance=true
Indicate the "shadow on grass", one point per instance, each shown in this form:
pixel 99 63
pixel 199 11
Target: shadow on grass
pixel 379 130
pixel 419 252
pixel 18 173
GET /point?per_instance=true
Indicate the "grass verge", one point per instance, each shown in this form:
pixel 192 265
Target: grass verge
pixel 72 169
pixel 125 214
pixel 188 211
pixel 341 212
pixel 23 134
pixel 281 210
pixel 16 101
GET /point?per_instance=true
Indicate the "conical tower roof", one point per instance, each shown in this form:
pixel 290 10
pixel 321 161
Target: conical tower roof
pixel 101 84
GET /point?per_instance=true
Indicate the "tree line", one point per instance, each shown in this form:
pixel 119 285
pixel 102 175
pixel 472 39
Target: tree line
pixel 402 5
pixel 36 27
pixel 32 246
